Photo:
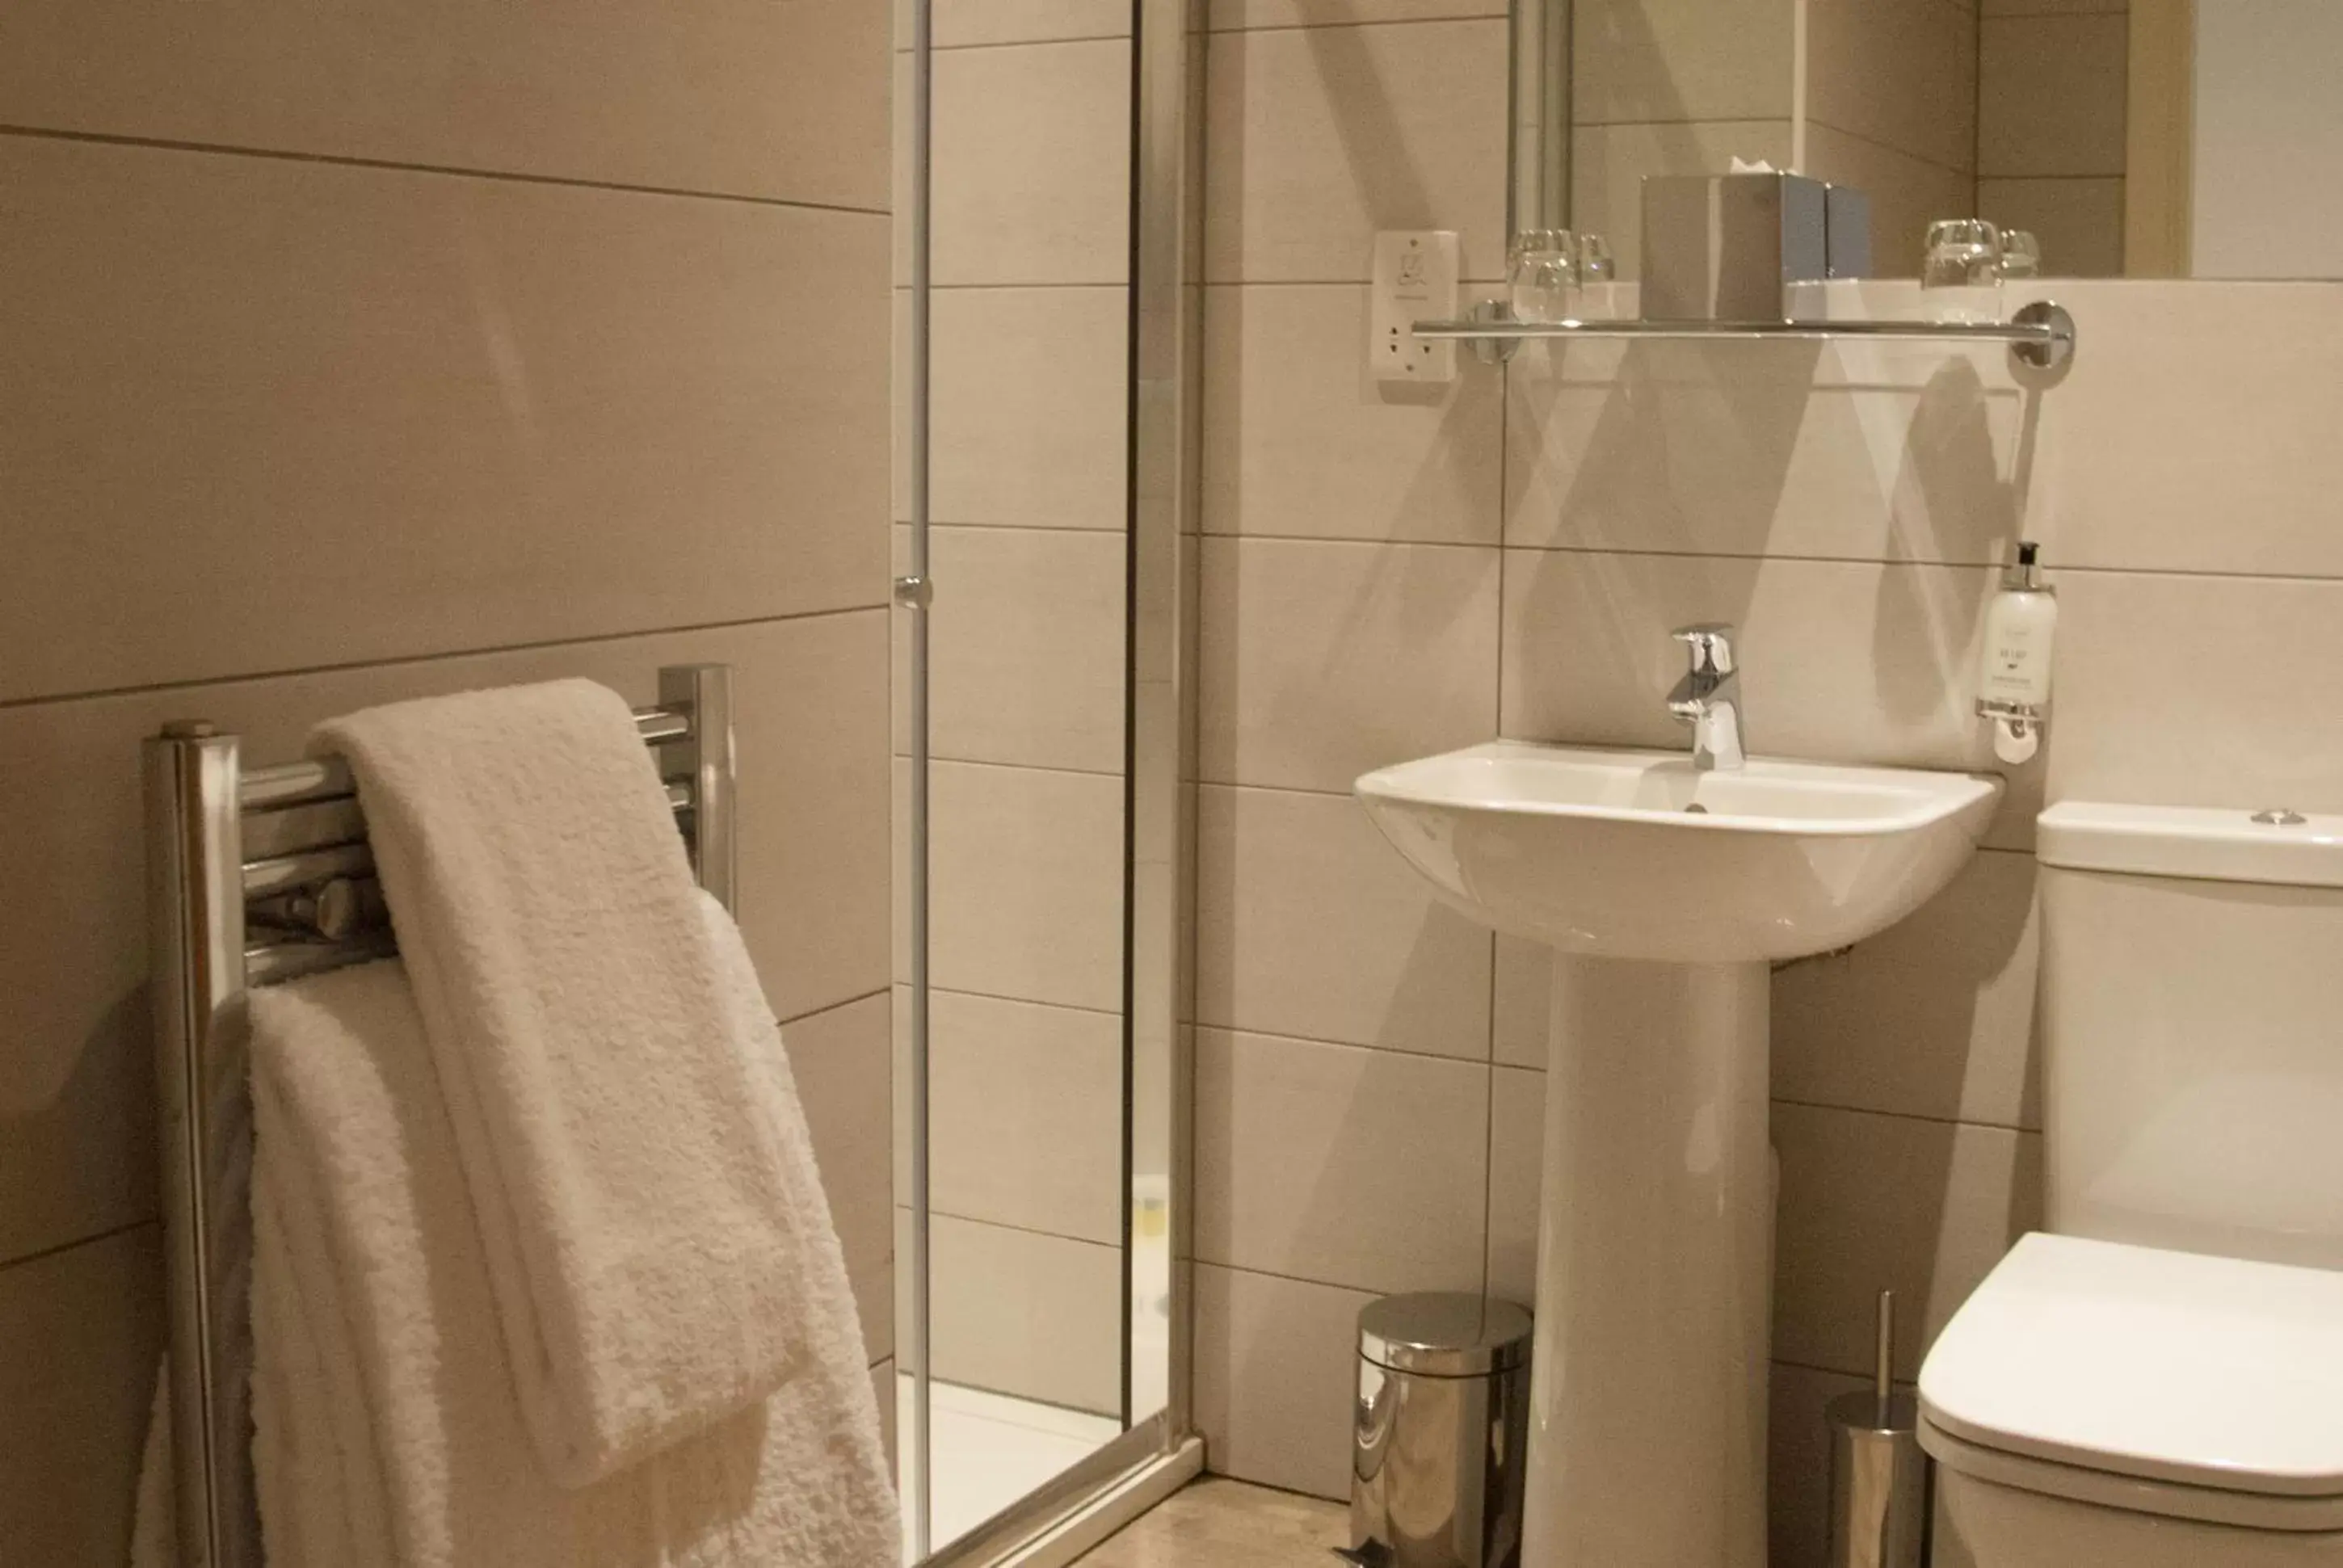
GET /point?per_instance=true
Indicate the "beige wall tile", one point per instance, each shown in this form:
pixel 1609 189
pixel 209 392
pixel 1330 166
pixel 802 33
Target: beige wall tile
pixel 781 102
pixel 1322 660
pixel 85 1329
pixel 1764 449
pixel 1842 660
pixel 2051 93
pixel 1608 164
pixel 1523 1002
pixel 1886 1202
pixel 1798 1463
pixel 1516 1189
pixel 1360 1168
pixel 2080 222
pixel 1907 193
pixel 2137 464
pixel 559 413
pixel 2222 661
pixel 1276 1377
pixel 1031 166
pixel 1902 73
pixel 1025 1115
pixel 1307 924
pixel 1228 16
pixel 78 1071
pixel 1646 61
pixel 843 1065
pixel 1298 438
pixel 961 23
pixel 1322 135
pixel 2052 7
pixel 1933 1017
pixel 1025 651
pixel 1022 1314
pixel 1029 406
pixel 1027 884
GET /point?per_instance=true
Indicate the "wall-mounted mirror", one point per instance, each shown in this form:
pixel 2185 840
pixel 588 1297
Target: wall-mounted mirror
pixel 2143 138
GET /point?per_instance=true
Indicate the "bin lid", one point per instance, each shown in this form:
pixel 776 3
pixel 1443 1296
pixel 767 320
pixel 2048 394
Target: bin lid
pixel 1444 1336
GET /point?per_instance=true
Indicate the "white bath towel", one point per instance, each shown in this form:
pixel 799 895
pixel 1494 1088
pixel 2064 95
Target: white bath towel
pixel 388 1428
pixel 655 1247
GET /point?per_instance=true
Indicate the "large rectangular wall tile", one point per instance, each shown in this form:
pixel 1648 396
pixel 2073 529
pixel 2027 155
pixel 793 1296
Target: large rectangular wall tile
pixel 1933 1017
pixel 1843 661
pixel 1027 884
pixel 740 97
pixel 1902 73
pixel 1040 1317
pixel 1324 660
pixel 307 415
pixel 1031 171
pixel 809 698
pixel 963 23
pixel 1608 164
pixel 1025 1115
pixel 1888 1202
pixel 84 1332
pixel 1361 1168
pixel 1309 924
pixel 1322 135
pixel 1300 439
pixel 2051 94
pixel 1907 193
pixel 1667 61
pixel 2080 222
pixel 1516 1187
pixel 2136 465
pixel 1853 451
pixel 1025 651
pixel 842 1064
pixel 2221 660
pixel 1028 408
pixel 1276 1379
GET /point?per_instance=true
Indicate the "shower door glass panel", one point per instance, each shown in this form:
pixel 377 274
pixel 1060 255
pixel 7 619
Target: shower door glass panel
pixel 1022 460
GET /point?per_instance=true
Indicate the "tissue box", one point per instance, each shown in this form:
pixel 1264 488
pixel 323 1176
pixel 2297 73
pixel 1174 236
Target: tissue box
pixel 1725 247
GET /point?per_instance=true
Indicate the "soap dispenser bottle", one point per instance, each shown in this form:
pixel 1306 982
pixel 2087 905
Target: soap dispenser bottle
pixel 2018 627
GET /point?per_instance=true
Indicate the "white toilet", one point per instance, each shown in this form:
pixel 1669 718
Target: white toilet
pixel 2157 1381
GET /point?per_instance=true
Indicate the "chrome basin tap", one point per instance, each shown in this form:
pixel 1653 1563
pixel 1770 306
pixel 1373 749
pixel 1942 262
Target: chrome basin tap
pixel 1709 695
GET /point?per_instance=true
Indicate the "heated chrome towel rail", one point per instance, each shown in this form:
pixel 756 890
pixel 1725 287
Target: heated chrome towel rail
pixel 306 902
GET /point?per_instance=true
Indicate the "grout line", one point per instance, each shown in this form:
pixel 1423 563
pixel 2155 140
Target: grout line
pixel 1079 530
pixel 2056 180
pixel 1483 1063
pixel 834 1007
pixel 2183 573
pixel 904 52
pixel 1114 1246
pixel 1863 1376
pixel 1290 1279
pixel 904 288
pixel 1893 150
pixel 1021 1000
pixel 44 1254
pixel 399 661
pixel 341 160
pixel 1903 1116
pixel 934 756
pixel 1491 15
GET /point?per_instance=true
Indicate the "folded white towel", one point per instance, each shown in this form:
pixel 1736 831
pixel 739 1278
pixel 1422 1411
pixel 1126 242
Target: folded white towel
pixel 388 1428
pixel 654 1243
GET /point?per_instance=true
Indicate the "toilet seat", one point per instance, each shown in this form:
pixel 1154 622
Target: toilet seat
pixel 2152 1382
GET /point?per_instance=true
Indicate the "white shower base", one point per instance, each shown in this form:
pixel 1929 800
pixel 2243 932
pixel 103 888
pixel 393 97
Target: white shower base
pixel 990 1450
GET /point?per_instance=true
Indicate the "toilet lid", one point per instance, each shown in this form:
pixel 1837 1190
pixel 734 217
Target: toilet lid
pixel 2168 1366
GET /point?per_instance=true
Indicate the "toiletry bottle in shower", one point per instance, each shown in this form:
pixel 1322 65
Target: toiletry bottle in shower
pixel 2018 627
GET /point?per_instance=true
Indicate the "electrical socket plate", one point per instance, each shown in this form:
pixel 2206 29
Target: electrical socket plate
pixel 1414 280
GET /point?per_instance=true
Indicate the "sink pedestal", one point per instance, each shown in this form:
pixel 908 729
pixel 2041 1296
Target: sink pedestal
pixel 1648 1397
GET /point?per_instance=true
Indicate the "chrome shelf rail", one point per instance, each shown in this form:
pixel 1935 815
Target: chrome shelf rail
pixel 2041 334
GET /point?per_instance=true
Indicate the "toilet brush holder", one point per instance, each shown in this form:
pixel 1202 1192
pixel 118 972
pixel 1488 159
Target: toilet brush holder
pixel 1879 1499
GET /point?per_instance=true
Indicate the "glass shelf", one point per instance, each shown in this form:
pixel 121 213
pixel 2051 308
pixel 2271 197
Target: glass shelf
pixel 2041 334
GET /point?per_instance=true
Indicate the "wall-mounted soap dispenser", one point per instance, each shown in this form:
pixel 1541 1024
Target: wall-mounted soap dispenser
pixel 2014 672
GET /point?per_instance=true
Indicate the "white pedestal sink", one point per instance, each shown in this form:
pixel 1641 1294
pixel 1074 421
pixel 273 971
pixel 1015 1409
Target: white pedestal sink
pixel 1667 893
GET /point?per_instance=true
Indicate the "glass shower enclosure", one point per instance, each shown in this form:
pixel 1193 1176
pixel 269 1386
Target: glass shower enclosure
pixel 1044 324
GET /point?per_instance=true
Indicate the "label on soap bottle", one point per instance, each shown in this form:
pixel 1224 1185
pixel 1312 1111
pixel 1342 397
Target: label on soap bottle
pixel 2018 630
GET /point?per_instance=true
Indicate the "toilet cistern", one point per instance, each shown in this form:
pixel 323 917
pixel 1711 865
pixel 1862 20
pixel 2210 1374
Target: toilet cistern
pixel 1708 698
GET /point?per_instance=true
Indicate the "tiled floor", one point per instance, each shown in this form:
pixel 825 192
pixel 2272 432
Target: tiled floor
pixel 1220 1523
